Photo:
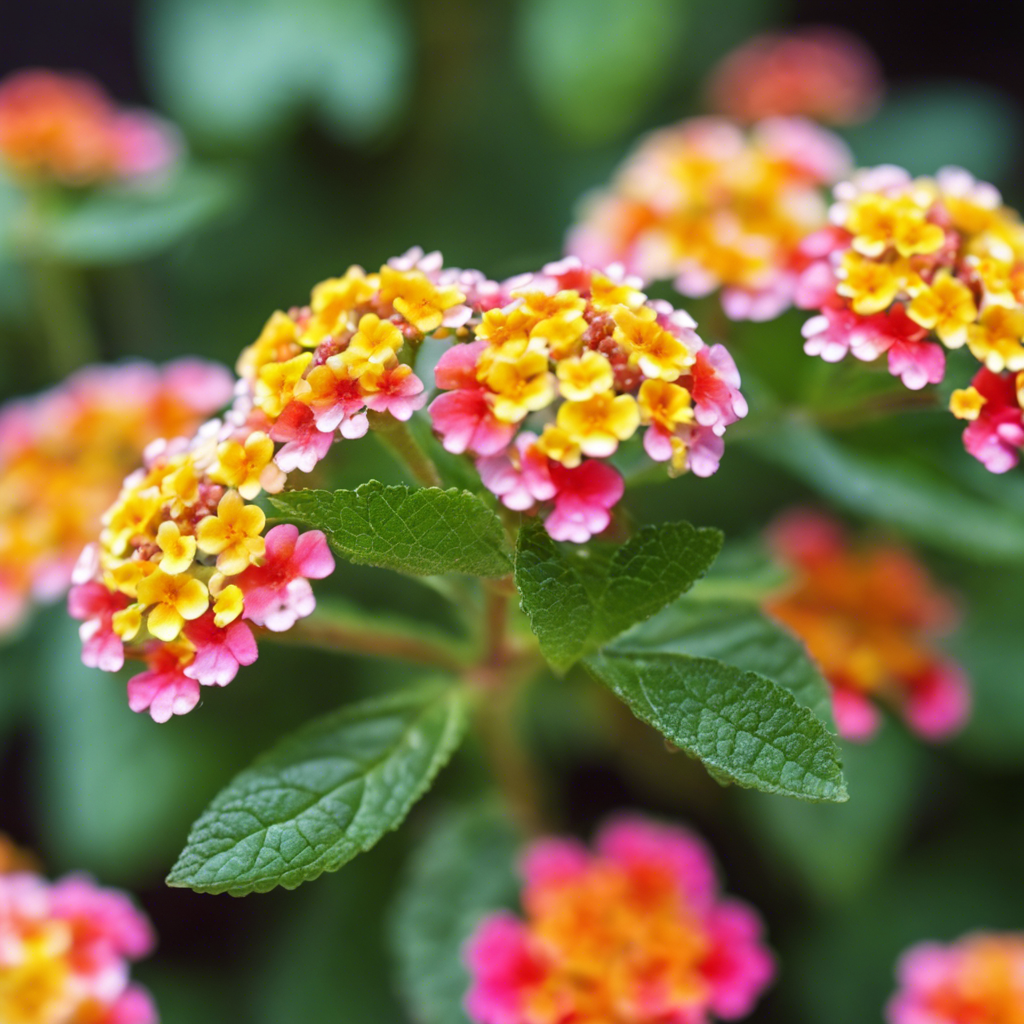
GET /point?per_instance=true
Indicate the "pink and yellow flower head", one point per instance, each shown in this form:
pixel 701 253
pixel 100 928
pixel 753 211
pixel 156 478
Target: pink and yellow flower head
pixel 544 381
pixel 822 73
pixel 912 267
pixel 869 616
pixel 63 455
pixel 635 932
pixel 65 949
pixel 64 128
pixel 710 206
pixel 568 365
pixel 978 979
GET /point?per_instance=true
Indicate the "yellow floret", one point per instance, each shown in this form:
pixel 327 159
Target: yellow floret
pixel 172 601
pixel 582 377
pixel 519 386
pixel 966 403
pixel 947 307
pixel 277 382
pixel 417 298
pixel 600 423
pixel 233 534
pixel 657 352
pixel 178 550
pixel 240 466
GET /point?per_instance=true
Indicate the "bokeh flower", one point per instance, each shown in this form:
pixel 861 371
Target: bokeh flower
pixel 710 206
pixel 65 950
pixel 79 440
pixel 636 931
pixel 869 615
pixel 819 72
pixel 539 387
pixel 979 977
pixel 64 128
pixel 913 267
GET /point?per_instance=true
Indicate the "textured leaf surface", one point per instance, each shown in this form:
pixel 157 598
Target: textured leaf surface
pixel 324 794
pixel 422 531
pixel 739 634
pixel 465 869
pixel 744 727
pixel 895 490
pixel 578 599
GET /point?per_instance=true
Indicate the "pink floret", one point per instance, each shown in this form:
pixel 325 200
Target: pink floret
pixel 583 499
pixel 502 965
pixel 105 920
pixel 219 652
pixel 305 444
pixel 163 690
pixel 521 477
pixel 857 719
pixel 939 703
pixel 93 603
pixel 739 965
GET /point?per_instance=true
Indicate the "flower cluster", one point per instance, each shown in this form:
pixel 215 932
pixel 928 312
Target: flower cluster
pixel 183 567
pixel 822 73
pixel 710 206
pixel 65 948
pixel 636 931
pixel 868 615
pixel 568 364
pixel 64 453
pixel 980 977
pixel 64 128
pixel 913 266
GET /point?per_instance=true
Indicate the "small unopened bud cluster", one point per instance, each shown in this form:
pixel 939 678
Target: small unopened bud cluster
pixel 709 205
pixel 912 267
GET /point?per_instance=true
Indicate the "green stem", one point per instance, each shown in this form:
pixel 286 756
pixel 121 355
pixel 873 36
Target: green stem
pixel 397 437
pixel 342 634
pixel 60 300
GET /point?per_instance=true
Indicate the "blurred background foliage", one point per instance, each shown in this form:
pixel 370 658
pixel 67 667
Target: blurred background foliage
pixel 326 132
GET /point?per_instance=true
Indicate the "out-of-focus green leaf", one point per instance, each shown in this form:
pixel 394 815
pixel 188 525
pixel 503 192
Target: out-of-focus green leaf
pixel 465 869
pixel 743 571
pixel 926 127
pixel 595 65
pixel 116 788
pixel 742 726
pixel 837 852
pixel 126 224
pixel 236 71
pixel 422 531
pixel 324 794
pixel 329 958
pixel 580 599
pixel 893 489
pixel 739 634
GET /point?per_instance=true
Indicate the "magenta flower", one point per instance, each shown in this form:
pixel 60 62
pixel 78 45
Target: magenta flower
pixel 463 417
pixel 95 605
pixel 277 593
pixel 583 498
pixel 219 651
pixel 521 477
pixel 163 689
pixel 305 444
pixel 398 391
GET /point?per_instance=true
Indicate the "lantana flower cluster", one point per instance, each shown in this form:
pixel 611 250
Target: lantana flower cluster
pixel 64 453
pixel 636 931
pixel 818 72
pixel 980 977
pixel 709 205
pixel 567 365
pixel 869 615
pixel 65 951
pixel 911 267
pixel 64 128
pixel 183 568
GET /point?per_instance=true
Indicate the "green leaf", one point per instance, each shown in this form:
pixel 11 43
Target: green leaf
pixel 424 531
pixel 579 598
pixel 596 64
pixel 324 794
pixel 896 490
pixel 237 71
pixel 126 224
pixel 739 634
pixel 745 728
pixel 465 869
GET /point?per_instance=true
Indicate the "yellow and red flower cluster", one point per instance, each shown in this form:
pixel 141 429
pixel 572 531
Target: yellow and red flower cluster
pixel 636 932
pixel 183 564
pixel 979 979
pixel 65 949
pixel 567 365
pixel 914 266
pixel 710 206
pixel 63 455
pixel 64 128
pixel 869 616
